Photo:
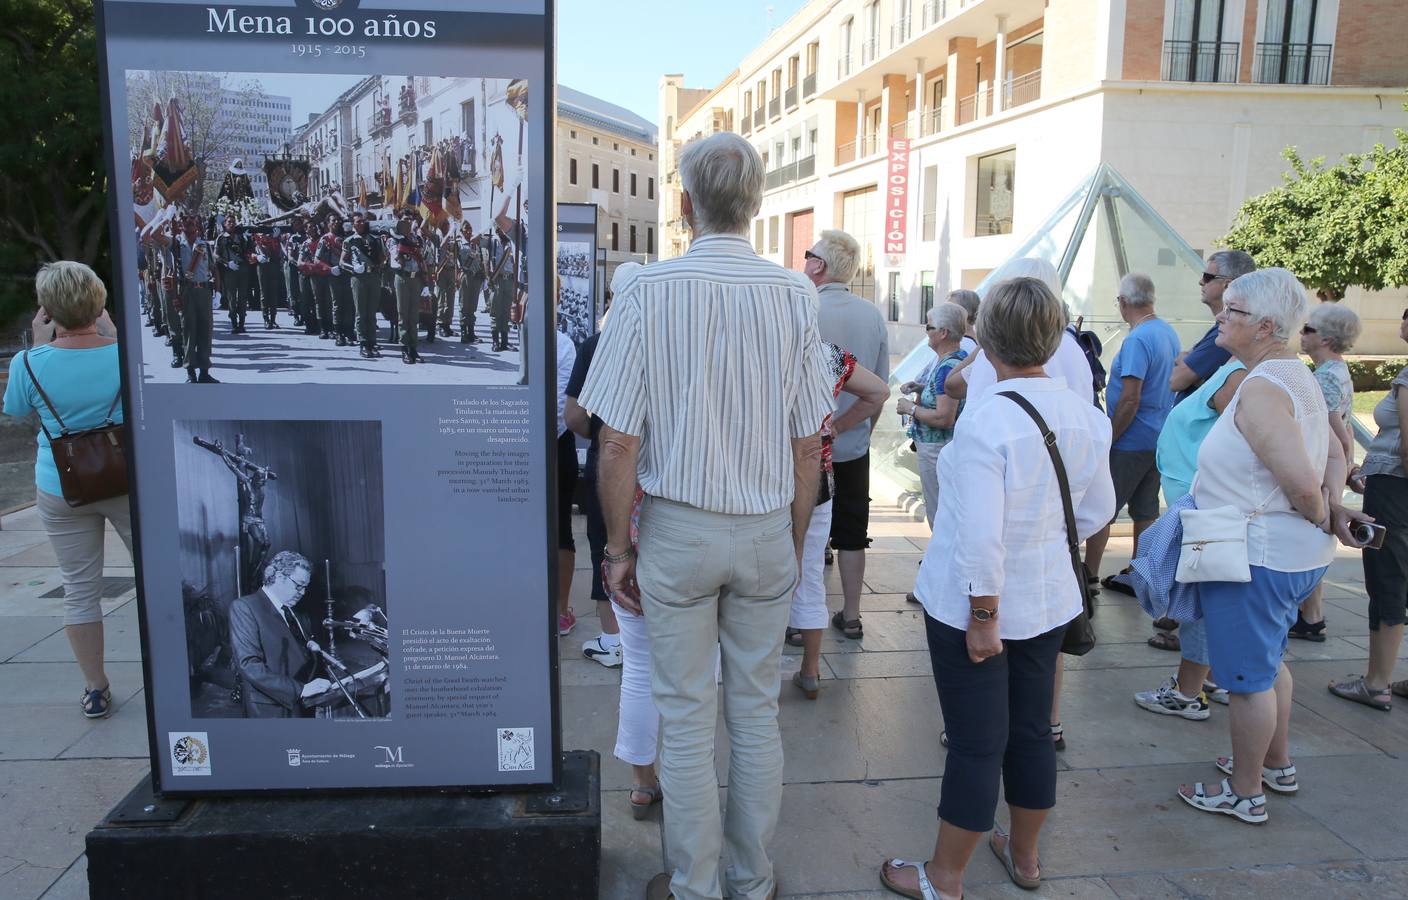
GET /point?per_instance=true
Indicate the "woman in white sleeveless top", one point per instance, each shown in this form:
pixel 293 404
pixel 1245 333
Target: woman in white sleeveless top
pixel 1270 456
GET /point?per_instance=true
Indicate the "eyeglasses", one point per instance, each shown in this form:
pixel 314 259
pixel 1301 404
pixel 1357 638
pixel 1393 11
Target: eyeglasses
pixel 930 328
pixel 1232 309
pixel 301 585
pixel 810 255
pixel 1306 329
pixel 1210 277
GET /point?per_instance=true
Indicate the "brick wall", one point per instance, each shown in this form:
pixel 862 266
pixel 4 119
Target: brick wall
pixel 1144 38
pixel 1371 43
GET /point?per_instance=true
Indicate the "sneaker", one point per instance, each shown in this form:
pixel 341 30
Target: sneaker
pixel 607 656
pixel 1215 693
pixel 565 623
pixel 1167 701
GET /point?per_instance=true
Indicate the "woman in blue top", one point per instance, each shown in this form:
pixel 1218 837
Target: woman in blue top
pixel 74 360
pixel 934 414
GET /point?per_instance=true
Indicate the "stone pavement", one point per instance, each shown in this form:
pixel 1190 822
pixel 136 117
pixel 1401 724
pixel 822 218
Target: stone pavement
pixel 863 761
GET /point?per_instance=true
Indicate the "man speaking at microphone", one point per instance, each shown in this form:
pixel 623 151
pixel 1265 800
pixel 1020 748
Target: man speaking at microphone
pixel 272 643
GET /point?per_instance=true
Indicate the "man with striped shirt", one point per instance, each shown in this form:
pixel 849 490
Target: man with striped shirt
pixel 711 382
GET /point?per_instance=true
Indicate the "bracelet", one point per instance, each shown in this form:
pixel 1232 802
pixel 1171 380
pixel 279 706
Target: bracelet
pixel 621 557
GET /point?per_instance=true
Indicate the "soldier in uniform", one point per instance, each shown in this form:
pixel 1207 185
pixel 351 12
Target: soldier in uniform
pixel 344 310
pixel 268 260
pixel 306 259
pixel 233 272
pixel 165 274
pixel 389 243
pixel 292 244
pixel 363 257
pixel 430 251
pixel 409 264
pixel 193 283
pixel 448 280
pixel 501 286
pixel 329 248
pixel 473 270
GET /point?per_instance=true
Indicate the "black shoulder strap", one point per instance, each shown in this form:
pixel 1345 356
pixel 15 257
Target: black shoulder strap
pixel 1049 439
pixel 45 397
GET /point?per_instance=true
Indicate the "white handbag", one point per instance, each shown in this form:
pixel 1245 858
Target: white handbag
pixel 1214 546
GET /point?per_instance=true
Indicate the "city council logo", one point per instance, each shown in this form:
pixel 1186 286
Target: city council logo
pixel 190 752
pixel 295 757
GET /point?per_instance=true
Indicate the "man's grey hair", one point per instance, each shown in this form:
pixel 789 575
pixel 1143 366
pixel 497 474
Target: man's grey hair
pixel 1232 264
pixel 951 318
pixel 1137 289
pixel 967 299
pixel 723 175
pixel 841 253
pixel 1338 325
pixel 1272 295
pixel 1021 322
pixel 286 562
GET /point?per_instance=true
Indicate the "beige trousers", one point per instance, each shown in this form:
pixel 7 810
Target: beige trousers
pixel 708 578
pixel 76 532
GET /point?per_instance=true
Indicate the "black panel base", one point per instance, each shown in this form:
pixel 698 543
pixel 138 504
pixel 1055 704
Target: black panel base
pixel 430 845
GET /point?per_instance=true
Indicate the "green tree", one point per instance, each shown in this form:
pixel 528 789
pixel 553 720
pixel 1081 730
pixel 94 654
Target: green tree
pixel 53 181
pixel 1336 226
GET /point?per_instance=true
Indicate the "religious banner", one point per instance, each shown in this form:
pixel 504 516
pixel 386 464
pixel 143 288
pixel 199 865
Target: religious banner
pixel 339 377
pixel 896 198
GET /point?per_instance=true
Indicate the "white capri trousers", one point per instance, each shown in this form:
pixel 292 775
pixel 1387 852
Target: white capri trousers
pixel 638 722
pixel 928 454
pixel 809 599
pixel 76 534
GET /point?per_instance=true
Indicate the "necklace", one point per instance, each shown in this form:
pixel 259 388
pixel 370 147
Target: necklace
pixel 1143 320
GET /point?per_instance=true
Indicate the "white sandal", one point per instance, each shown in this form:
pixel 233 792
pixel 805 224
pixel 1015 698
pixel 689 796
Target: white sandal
pixel 1227 802
pixel 927 891
pixel 1269 776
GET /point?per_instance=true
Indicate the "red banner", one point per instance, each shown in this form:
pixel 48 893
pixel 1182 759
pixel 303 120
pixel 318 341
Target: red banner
pixel 896 196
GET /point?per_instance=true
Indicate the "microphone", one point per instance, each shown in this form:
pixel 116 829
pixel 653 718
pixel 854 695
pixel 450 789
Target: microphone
pixel 331 660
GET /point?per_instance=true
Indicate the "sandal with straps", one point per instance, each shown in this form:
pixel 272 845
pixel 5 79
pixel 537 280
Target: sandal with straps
pixel 97 704
pixel 1354 688
pixel 640 810
pixel 851 628
pixel 1004 856
pixel 926 891
pixel 1272 778
pixel 1251 810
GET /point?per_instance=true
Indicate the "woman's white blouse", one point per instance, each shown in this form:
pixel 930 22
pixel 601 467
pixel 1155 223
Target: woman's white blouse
pixel 1000 528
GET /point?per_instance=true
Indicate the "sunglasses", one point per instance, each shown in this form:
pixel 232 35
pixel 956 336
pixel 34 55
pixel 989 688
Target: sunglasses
pixel 1306 329
pixel 1209 278
pixel 810 255
pixel 932 328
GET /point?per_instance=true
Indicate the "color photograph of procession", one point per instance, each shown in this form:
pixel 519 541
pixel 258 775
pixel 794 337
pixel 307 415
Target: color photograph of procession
pixel 332 229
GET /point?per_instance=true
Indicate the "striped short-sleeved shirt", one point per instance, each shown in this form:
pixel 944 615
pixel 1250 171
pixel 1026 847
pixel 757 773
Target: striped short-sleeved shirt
pixel 713 359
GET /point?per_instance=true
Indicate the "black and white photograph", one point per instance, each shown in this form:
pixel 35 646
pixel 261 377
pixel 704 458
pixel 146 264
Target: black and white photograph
pixel 329 229
pixel 282 567
pixel 574 301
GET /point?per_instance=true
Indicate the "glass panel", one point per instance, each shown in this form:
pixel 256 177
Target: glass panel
pixel 996 176
pixel 1101 231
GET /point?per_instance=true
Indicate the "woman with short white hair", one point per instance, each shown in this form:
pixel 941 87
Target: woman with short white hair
pixel 1331 330
pixel 1270 458
pixel 933 412
pixel 72 374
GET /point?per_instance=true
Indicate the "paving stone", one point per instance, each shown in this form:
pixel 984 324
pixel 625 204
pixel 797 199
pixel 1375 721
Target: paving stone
pixel 1343 881
pixel 122 735
pixel 12 542
pixel 1387 732
pixel 50 805
pixel 31 684
pixel 894 630
pixel 630 849
pixel 23 881
pixel 122 642
pixel 891 664
pixel 19 633
pixel 73 884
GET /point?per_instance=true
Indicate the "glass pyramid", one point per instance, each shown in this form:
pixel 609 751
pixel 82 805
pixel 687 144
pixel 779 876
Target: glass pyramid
pixel 1101 231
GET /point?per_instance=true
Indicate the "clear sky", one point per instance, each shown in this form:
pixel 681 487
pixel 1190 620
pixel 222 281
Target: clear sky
pixel 618 50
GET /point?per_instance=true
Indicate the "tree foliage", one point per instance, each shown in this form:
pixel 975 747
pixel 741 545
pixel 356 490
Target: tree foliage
pixel 1335 227
pixel 52 176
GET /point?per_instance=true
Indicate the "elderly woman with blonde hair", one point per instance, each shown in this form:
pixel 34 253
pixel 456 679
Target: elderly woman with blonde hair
pixel 74 362
pixel 1269 457
pixel 999 590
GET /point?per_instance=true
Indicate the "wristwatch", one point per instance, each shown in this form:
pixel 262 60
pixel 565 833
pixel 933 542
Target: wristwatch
pixel 983 615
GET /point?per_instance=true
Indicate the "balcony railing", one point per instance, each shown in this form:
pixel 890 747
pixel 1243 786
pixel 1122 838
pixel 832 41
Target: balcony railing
pixel 899 32
pixel 932 122
pixel 973 106
pixel 1200 61
pixel 1292 64
pixel 843 66
pixel 745 124
pixel 789 98
pixel 793 171
pixel 774 107
pixel 869 49
pixel 758 117
pixel 1022 89
pixel 900 129
pixel 806 167
pixel 935 11
pixel 809 85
